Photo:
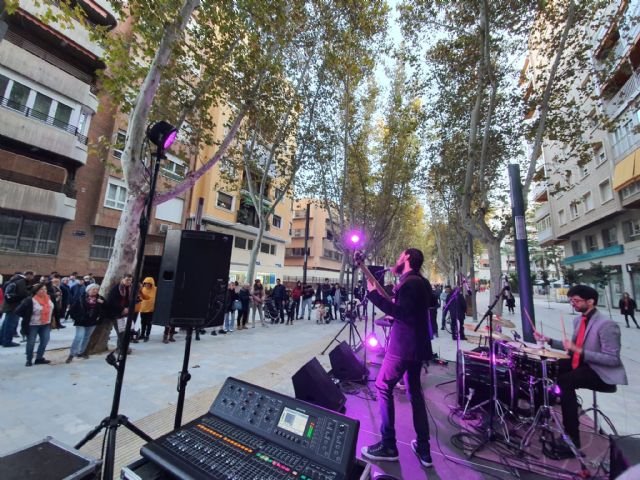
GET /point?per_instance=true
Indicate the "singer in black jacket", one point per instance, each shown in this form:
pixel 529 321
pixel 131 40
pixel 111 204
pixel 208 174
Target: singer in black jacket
pixel 409 347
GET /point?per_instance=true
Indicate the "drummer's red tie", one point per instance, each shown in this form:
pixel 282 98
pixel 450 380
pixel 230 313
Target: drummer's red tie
pixel 575 361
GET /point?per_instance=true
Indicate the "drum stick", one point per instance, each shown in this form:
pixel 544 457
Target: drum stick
pixel 526 314
pixel 564 333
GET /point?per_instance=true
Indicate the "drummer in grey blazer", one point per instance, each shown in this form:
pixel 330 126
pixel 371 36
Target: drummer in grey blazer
pixel 594 355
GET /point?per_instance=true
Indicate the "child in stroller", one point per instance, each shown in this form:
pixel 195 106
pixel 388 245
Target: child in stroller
pixel 270 310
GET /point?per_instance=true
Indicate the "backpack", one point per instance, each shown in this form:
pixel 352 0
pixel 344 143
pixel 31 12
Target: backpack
pixel 9 290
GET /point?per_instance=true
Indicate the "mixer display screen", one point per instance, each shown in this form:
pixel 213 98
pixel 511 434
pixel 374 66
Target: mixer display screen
pixel 293 421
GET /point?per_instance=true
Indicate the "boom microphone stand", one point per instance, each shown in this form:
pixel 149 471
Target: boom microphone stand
pixel 162 135
pixel 494 403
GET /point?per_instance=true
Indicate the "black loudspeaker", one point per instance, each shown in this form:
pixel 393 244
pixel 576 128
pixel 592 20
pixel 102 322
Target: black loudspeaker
pixel 314 385
pixel 624 453
pixel 345 365
pixel 192 284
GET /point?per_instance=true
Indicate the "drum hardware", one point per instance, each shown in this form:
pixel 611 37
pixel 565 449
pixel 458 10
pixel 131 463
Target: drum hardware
pixel 544 419
pixel 495 406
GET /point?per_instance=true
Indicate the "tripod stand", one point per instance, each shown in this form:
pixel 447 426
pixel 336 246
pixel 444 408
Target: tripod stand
pixel 114 420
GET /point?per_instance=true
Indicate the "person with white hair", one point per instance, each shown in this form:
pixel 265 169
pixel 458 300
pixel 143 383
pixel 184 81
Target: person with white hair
pixel 86 312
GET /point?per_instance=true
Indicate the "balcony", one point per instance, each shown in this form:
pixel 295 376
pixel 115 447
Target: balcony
pixel 34 128
pixel 38 201
pixel 601 253
pixel 539 193
pixel 542 211
pixel 545 236
pixel 629 90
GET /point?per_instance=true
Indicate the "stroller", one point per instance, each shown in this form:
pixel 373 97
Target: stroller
pixel 270 310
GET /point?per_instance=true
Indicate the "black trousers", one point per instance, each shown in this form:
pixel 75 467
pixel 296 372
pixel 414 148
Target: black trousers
pixel 569 380
pixel 626 318
pixel 145 319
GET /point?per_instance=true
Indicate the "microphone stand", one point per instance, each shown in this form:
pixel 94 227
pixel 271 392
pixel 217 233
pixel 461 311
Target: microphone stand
pixel 494 403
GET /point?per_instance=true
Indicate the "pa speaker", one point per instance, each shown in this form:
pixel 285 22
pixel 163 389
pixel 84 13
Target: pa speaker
pixel 345 365
pixel 314 385
pixel 624 454
pixel 192 283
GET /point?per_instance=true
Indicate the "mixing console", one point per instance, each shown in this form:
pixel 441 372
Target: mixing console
pixel 254 433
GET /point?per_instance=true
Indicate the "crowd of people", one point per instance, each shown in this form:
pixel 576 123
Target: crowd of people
pixel 33 306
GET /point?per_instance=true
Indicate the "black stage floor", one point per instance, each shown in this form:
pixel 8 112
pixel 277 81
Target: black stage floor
pixel 496 460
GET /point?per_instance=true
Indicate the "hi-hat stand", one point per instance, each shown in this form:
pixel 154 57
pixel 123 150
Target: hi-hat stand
pixel 115 419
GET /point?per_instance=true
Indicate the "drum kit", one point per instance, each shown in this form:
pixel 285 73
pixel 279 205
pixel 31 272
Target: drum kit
pixel 525 378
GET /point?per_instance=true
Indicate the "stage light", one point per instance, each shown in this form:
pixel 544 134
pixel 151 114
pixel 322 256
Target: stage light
pixel 162 134
pixel 556 390
pixel 354 239
pixel 372 342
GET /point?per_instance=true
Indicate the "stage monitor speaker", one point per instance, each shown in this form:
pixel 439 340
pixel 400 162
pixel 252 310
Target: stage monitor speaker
pixel 314 385
pixel 345 365
pixel 192 284
pixel 624 454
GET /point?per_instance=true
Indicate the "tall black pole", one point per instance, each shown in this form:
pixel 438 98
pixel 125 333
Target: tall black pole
pixel 306 243
pixel 522 253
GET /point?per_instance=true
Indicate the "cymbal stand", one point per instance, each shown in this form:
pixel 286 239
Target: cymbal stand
pixel 547 420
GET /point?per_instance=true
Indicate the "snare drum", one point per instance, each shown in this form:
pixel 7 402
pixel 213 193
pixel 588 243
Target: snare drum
pixel 473 372
pixel 530 365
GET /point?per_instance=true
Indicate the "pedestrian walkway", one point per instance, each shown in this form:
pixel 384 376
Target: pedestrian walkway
pixel 67 400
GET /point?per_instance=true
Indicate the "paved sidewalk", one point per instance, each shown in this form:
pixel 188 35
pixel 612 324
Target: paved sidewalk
pixel 619 406
pixel 66 401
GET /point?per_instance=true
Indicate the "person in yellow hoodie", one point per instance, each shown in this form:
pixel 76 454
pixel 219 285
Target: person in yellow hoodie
pixel 148 296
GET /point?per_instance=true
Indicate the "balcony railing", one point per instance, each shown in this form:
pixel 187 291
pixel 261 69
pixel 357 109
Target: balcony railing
pixel 41 117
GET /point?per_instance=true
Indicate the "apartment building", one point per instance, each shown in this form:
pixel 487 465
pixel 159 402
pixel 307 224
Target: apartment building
pixel 323 261
pixel 227 208
pixel 591 209
pixel 48 114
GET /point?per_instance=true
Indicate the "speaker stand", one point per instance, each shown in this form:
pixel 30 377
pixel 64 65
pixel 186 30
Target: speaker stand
pixel 115 419
pixel 183 379
pixel 353 333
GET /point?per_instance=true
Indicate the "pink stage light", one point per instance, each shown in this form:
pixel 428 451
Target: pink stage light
pixel 355 238
pixel 372 342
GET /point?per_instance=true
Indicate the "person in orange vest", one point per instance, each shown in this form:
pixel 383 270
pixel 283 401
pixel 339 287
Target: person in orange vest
pixel 148 296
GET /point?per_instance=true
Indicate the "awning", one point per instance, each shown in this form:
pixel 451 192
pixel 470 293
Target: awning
pixel 627 171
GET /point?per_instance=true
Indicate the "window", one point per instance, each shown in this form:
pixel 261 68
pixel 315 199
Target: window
pixel 62 115
pixel 562 217
pixel 332 254
pixel 268 248
pixel 588 201
pixel 18 96
pixel 543 224
pixel 605 191
pixel 118 146
pixel 630 190
pixel 573 208
pixel 240 242
pixel 224 201
pixel 277 221
pixel 277 193
pixel 609 237
pixel 584 169
pixel 41 107
pixel 116 195
pixel 29 235
pixel 174 168
pixel 576 247
pixel 102 246
pixel 302 213
pixel 4 83
pixel 592 243
pixel 601 157
pixel 633 229
pixel 83 122
pixel 171 210
pixel 569 178
pixel 295 252
pixel 622 137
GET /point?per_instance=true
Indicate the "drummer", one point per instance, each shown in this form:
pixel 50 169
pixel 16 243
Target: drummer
pixel 594 357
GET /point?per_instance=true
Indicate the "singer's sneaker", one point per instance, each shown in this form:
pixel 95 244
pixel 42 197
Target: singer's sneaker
pixel 379 452
pixel 423 455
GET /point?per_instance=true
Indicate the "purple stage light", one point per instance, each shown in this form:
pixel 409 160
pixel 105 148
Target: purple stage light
pixel 372 341
pixel 354 239
pixel 556 390
pixel 170 139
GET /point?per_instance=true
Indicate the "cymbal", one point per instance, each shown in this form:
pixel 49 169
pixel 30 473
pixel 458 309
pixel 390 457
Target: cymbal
pixel 504 322
pixel 544 352
pixel 470 327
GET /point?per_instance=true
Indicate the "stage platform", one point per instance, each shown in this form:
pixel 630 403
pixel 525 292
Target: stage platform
pixel 495 460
